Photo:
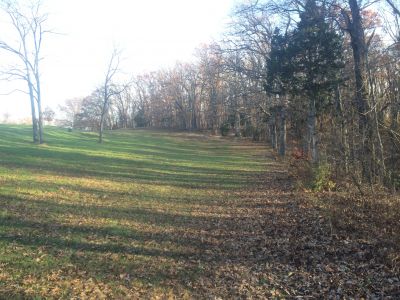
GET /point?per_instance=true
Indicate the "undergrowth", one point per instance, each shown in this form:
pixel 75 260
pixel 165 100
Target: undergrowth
pixel 370 215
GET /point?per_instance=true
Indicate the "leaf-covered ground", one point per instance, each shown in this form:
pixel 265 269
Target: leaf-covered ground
pixel 174 215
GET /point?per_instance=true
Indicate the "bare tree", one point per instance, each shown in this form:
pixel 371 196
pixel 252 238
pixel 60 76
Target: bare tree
pixel 125 107
pixel 48 114
pixel 28 23
pixel 109 89
pixel 211 62
pixel 71 108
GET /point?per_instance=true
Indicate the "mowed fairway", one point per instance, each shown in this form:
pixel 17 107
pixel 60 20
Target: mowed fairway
pixel 124 219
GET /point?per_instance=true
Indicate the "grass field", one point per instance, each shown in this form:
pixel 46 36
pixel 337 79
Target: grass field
pixel 121 219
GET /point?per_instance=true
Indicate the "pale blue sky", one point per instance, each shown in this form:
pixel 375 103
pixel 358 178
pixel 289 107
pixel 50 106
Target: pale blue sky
pixel 152 35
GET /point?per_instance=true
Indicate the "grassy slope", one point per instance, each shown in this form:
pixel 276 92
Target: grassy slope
pixel 79 218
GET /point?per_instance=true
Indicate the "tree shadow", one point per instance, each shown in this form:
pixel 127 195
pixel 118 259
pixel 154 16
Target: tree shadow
pixel 77 165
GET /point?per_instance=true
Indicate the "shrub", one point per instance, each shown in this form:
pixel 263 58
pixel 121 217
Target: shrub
pixel 321 180
pixel 308 176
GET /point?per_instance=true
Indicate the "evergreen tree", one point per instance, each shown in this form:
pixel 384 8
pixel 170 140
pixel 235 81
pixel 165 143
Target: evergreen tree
pixel 276 85
pixel 277 65
pixel 315 59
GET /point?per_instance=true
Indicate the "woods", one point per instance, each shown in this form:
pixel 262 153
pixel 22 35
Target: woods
pixel 320 76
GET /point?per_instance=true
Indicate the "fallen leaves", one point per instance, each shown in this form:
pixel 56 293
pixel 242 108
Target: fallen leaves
pixel 94 236
pixel 286 242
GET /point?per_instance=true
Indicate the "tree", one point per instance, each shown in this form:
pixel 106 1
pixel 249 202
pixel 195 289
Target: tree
pixel 48 114
pixel 125 107
pixel 140 117
pixel 88 117
pixel 28 24
pixel 109 89
pixel 210 72
pixel 354 26
pixel 71 108
pixel 314 52
pixel 277 85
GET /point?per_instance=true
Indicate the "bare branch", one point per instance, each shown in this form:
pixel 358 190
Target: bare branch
pixel 396 10
pixel 14 91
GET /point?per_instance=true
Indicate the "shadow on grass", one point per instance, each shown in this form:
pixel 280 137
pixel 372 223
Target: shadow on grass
pixel 154 245
pixel 136 214
pixel 163 173
pixel 150 257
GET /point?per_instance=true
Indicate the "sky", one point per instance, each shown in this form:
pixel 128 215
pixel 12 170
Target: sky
pixel 150 34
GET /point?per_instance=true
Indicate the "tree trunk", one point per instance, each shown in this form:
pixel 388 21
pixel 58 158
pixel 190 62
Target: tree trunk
pixel 343 129
pixel 361 97
pixel 101 129
pixel 237 124
pixel 272 130
pixel 214 111
pixel 194 119
pixel 34 121
pixel 102 119
pixel 282 131
pixel 312 136
pixel 39 97
pixel 40 122
pixel 103 112
pixel 33 109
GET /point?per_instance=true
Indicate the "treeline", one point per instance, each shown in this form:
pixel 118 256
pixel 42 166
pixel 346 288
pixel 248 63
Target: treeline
pixel 322 76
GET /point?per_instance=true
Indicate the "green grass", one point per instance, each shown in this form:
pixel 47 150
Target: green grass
pixel 120 219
